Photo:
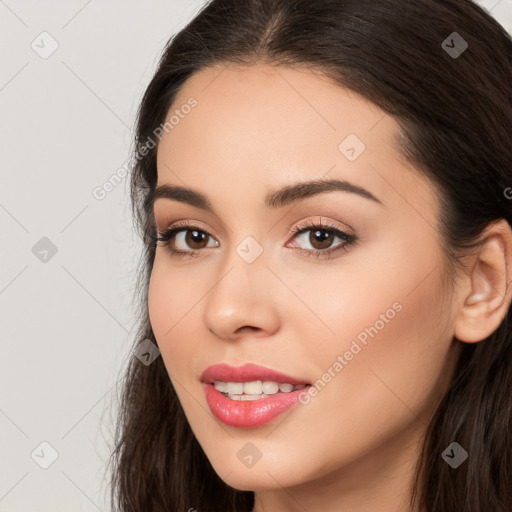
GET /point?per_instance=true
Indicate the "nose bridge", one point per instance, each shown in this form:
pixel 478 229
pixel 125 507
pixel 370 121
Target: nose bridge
pixel 246 256
pixel 240 295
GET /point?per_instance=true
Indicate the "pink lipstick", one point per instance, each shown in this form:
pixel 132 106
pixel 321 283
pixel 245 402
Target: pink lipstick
pixel 249 396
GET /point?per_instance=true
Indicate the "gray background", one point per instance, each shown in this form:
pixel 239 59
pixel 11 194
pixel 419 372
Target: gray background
pixel 67 318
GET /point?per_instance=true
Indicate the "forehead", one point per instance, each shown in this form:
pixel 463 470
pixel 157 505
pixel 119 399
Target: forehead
pixel 258 127
pixel 278 109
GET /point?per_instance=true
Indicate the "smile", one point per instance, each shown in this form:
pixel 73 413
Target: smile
pixel 249 396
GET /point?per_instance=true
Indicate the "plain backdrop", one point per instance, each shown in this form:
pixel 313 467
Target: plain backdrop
pixel 71 77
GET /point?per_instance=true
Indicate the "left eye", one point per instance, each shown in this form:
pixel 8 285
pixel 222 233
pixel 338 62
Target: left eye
pixel 322 238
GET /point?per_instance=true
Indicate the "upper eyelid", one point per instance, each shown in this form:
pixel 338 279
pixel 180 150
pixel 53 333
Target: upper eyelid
pixel 225 228
pixel 296 227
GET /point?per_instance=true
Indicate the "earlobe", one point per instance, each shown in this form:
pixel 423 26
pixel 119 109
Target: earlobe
pixel 486 304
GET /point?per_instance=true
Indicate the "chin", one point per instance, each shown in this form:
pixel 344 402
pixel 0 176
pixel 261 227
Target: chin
pixel 262 476
pixel 259 482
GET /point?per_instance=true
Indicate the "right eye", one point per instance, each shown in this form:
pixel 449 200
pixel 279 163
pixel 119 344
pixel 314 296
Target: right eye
pixel 186 234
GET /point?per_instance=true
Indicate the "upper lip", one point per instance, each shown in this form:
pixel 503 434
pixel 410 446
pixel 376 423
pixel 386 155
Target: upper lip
pixel 246 373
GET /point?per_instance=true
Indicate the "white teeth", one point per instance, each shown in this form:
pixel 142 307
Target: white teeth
pixel 221 386
pixel 234 388
pixel 254 390
pixel 251 397
pixel 246 397
pixel 270 388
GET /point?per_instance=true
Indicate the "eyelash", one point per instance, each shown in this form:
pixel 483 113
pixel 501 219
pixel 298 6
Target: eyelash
pixel 349 240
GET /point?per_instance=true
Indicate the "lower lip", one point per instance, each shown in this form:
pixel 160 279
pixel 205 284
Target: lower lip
pixel 249 413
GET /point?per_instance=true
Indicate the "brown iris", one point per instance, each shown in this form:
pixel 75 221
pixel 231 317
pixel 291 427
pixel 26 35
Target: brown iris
pixel 194 236
pixel 320 239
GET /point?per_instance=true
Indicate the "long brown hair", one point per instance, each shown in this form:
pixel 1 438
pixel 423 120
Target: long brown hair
pixel 453 104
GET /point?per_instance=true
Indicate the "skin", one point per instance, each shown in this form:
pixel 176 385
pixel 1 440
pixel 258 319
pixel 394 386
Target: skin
pixel 353 447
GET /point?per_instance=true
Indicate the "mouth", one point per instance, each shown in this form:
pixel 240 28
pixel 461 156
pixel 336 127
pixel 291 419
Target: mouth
pixel 254 390
pixel 249 396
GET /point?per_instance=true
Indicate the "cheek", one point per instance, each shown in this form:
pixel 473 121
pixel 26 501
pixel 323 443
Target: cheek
pixel 172 294
pixel 390 381
pixel 393 358
pixel 170 307
pixel 384 307
pixel 379 341
pixel 158 302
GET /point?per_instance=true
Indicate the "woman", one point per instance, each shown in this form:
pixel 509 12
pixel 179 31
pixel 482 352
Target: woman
pixel 374 136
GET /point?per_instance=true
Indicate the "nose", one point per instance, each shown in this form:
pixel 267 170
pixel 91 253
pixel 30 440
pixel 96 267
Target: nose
pixel 243 300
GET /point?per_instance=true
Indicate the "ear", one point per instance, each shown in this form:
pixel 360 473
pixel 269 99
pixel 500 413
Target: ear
pixel 486 294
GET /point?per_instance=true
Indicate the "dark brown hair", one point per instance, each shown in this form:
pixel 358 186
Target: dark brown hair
pixel 456 119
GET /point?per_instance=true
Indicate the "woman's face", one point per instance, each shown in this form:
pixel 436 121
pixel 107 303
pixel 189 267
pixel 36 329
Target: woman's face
pixel 368 324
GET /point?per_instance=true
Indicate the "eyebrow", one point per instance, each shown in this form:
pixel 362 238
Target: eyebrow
pixel 276 199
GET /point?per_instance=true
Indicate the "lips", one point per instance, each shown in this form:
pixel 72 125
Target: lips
pixel 246 373
pixel 248 414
